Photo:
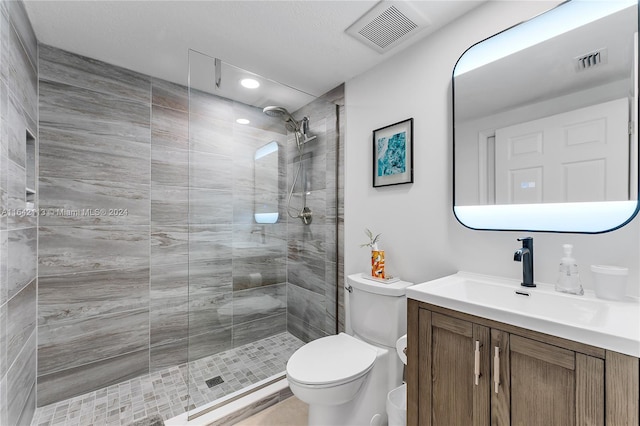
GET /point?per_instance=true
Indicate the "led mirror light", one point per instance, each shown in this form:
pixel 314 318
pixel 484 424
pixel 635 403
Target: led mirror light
pixel 544 27
pixel 476 201
pixel 558 217
pixel 250 83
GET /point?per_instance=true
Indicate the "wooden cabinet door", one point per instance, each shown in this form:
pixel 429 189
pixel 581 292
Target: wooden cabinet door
pixel 522 381
pixel 500 379
pixel 542 384
pixel 453 380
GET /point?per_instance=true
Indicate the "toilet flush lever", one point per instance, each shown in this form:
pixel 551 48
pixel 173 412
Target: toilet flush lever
pixel 349 288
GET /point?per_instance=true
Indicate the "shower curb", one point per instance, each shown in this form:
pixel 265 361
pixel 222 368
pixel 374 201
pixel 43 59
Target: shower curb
pixel 237 406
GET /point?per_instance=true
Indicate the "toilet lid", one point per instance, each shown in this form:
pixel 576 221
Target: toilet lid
pixel 331 359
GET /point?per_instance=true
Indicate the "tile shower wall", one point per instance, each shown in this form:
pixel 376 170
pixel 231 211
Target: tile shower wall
pixel 94 245
pixel 315 260
pixel 18 232
pixel 151 231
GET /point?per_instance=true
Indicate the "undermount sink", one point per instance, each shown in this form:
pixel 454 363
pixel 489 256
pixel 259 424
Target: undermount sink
pixel 613 325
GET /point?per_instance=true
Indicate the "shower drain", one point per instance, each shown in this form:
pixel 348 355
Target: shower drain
pixel 214 382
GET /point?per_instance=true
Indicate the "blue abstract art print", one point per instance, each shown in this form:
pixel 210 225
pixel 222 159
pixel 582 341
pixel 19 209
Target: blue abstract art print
pixel 392 154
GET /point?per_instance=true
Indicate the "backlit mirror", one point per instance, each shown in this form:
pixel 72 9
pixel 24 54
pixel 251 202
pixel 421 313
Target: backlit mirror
pixel 545 122
pixel 265 183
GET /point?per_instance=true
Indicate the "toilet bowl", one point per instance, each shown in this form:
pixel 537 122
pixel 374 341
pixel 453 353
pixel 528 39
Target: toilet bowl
pixel 330 370
pixel 345 378
pixel 352 391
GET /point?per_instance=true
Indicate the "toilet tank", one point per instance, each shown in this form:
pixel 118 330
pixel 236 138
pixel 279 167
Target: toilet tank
pixel 377 311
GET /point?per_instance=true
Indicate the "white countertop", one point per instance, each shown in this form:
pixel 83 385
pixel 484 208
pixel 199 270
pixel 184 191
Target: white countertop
pixel 612 325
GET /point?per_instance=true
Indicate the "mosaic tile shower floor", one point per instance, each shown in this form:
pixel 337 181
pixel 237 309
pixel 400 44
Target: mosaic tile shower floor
pixel 165 393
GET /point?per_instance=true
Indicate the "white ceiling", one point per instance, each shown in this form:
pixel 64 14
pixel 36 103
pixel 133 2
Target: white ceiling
pixel 301 43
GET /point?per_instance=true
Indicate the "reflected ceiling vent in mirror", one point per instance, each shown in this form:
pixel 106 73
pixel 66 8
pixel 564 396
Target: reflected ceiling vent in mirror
pixel 591 59
pixel 387 25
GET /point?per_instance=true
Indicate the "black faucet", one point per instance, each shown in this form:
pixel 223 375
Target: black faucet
pixel 525 255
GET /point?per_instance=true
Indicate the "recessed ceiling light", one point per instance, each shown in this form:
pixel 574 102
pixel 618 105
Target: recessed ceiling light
pixel 242 121
pixel 250 83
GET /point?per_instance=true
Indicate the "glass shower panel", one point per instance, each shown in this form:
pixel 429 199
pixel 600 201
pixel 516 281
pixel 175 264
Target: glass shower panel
pixel 246 317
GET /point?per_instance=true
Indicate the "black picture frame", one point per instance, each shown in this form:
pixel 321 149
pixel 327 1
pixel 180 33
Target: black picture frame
pixel 393 165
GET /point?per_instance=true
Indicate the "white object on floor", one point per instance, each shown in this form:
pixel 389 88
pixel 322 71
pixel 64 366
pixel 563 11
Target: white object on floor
pixel 397 406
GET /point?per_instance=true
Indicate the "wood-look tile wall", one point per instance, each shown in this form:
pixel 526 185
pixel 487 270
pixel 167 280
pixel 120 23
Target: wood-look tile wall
pixel 95 156
pixel 18 231
pixel 315 256
pixel 186 272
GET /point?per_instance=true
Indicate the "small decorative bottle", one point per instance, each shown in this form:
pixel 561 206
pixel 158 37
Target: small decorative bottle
pixel 377 255
pixel 568 276
pixel 377 262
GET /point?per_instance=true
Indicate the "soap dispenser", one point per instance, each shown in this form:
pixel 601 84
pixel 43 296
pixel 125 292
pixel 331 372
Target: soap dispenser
pixel 568 277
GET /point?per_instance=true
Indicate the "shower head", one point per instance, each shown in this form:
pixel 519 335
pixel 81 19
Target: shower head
pixel 278 111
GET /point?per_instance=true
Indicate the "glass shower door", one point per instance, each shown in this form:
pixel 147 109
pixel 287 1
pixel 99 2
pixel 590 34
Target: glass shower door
pixel 244 235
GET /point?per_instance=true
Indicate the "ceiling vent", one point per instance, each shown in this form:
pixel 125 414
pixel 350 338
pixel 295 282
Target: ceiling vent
pixel 591 60
pixel 387 25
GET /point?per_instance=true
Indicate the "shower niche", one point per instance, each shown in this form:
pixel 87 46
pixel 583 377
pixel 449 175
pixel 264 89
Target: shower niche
pixel 266 168
pixel 30 165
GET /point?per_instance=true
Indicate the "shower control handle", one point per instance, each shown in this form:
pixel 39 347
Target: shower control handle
pixel 306 215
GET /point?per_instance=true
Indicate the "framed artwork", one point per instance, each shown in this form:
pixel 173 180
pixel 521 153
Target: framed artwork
pixel 393 154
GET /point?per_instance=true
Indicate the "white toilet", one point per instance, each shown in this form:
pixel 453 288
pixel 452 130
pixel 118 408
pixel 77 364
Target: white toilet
pixel 345 378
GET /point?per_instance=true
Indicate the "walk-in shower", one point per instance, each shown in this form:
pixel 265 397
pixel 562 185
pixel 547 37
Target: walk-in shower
pixel 113 305
pixel 260 160
pixel 300 131
pixel 205 281
pixel 205 287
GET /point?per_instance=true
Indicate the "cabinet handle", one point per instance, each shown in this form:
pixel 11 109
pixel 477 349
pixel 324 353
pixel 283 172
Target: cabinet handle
pixel 496 369
pixel 476 367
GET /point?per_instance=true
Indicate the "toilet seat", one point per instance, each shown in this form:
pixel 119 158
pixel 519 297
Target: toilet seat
pixel 331 361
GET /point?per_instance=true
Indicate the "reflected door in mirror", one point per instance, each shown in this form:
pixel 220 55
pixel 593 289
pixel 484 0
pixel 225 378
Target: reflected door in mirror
pixel 570 157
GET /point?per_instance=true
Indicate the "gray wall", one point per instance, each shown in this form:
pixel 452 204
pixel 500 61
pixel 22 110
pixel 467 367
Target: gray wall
pixel 93 297
pixel 18 233
pixel 117 292
pixel 315 266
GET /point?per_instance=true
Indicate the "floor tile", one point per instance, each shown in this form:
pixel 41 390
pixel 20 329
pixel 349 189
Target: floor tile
pixel 167 393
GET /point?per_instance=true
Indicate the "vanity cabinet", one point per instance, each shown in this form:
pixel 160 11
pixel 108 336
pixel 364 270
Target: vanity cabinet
pixel 467 370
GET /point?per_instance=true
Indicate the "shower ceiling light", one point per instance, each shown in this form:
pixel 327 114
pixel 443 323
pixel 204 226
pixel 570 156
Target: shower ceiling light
pixel 250 83
pixel 242 121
